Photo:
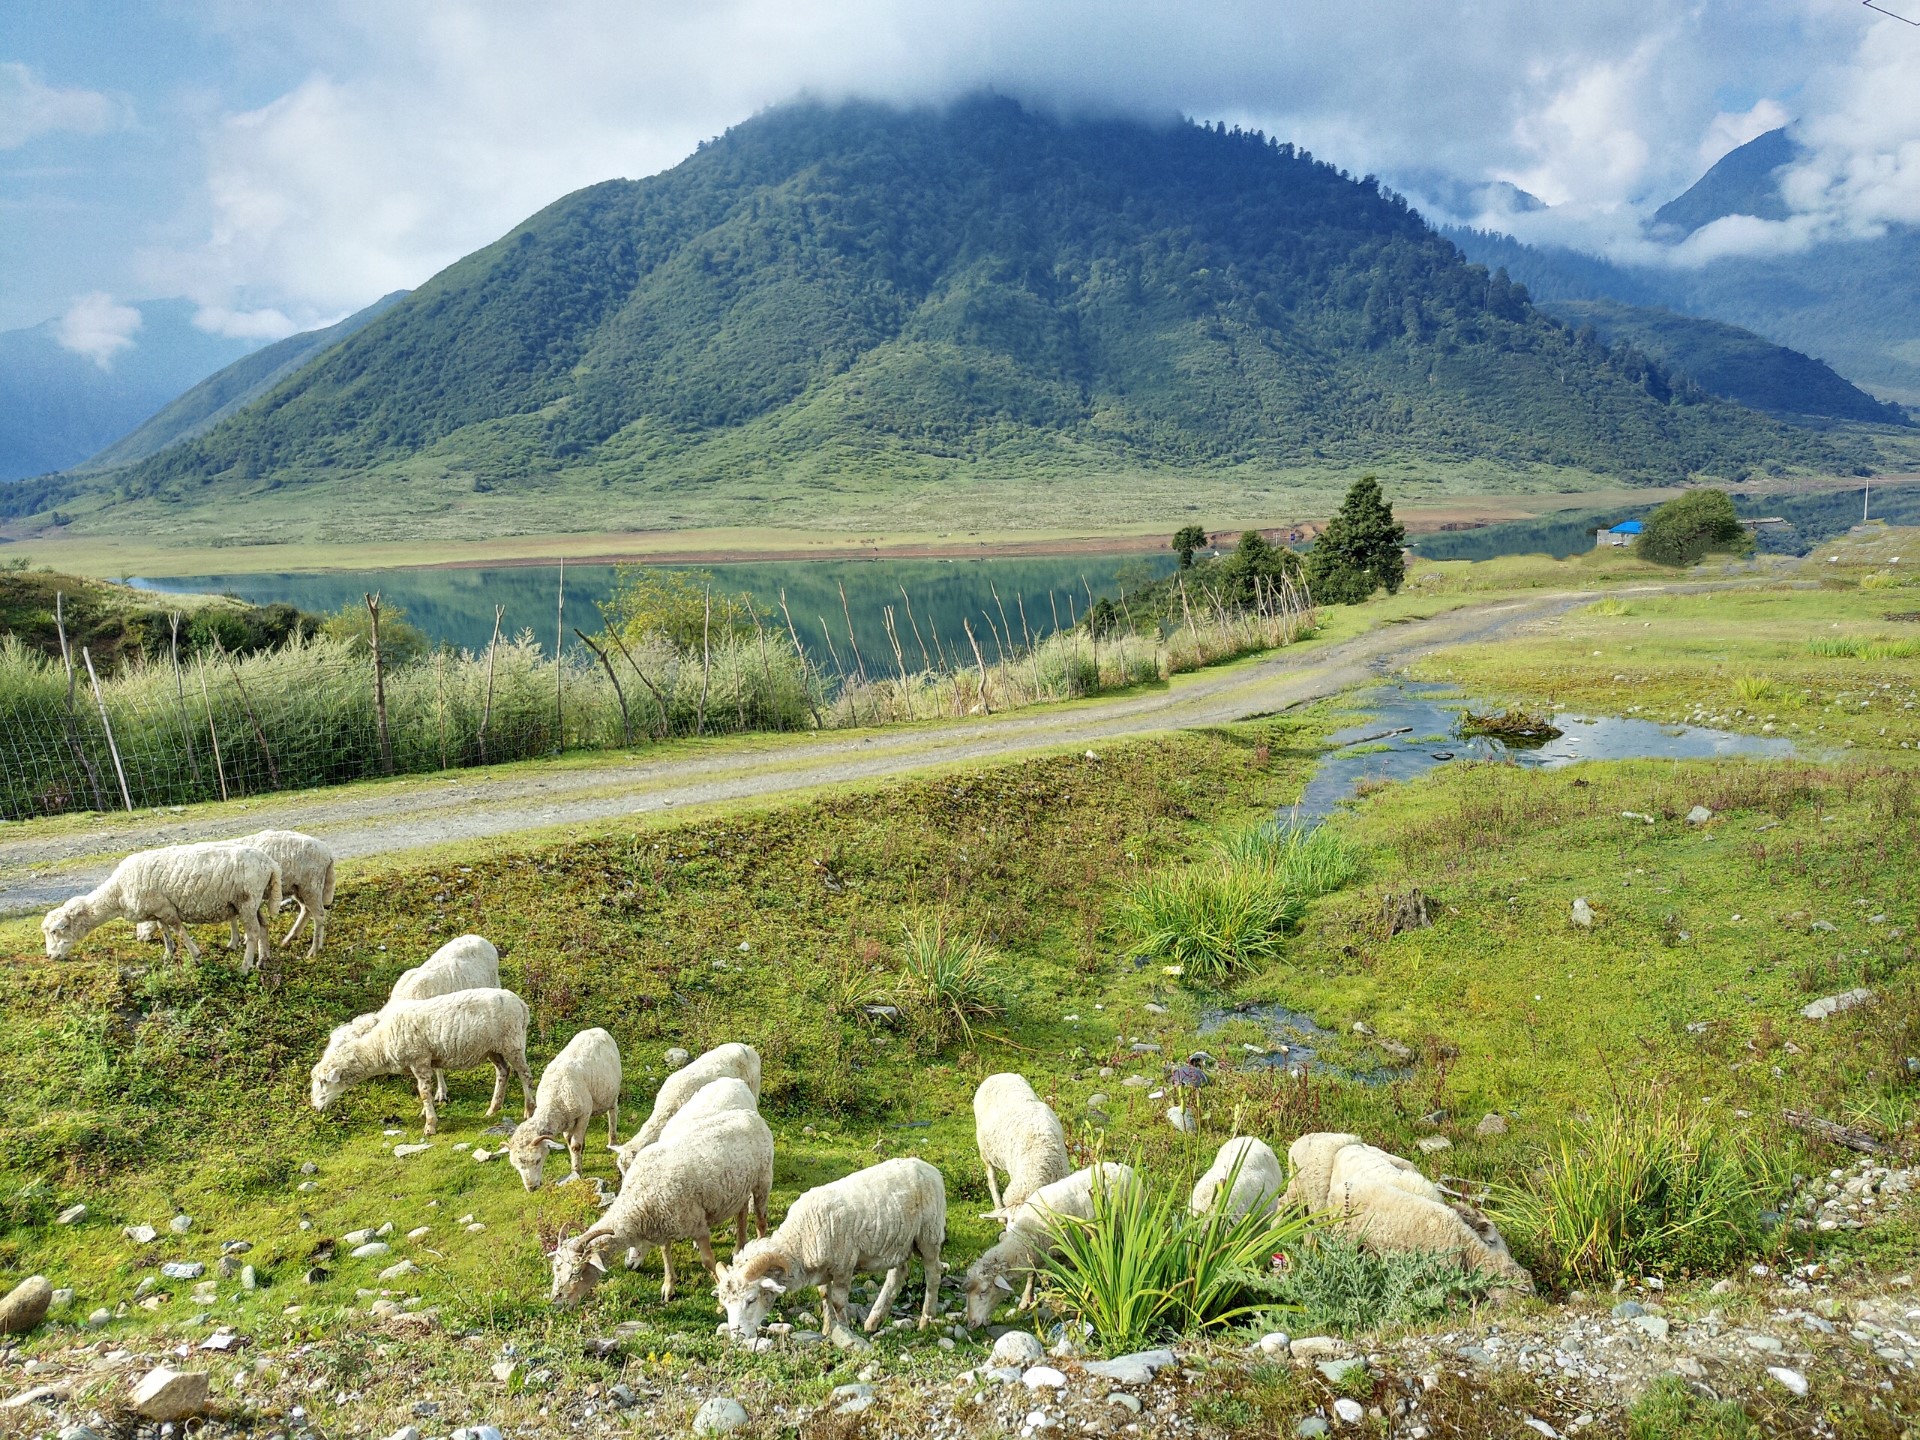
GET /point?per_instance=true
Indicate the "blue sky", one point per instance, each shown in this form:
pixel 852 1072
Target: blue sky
pixel 281 165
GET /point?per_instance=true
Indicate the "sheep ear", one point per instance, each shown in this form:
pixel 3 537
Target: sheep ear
pixel 595 1262
pixel 1000 1283
pixel 768 1283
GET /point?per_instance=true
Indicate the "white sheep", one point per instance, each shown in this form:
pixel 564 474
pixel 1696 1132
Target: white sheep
pixel 582 1081
pixel 1310 1159
pixel 306 879
pixel 1018 1132
pixel 873 1220
pixel 687 1186
pixel 466 962
pixel 176 886
pixel 1257 1182
pixel 417 1037
pixel 741 1062
pixel 1032 1231
pixel 726 1093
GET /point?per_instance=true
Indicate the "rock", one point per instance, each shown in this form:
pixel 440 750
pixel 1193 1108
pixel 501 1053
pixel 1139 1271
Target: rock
pixel 1144 1047
pixel 141 1234
pixel 1765 1344
pixel 1348 1411
pixel 180 1224
pixel 1629 1310
pixel 394 1272
pixel 1275 1343
pixel 503 1371
pixel 1312 1428
pixel 169 1395
pixel 1654 1327
pixel 1432 1144
pixel 1129 1403
pixel 853 1392
pixel 72 1215
pixel 1017 1347
pixel 26 1305
pixel 80 1432
pixel 1319 1347
pixel 1699 815
pixel 1136 1082
pixel 249 1279
pixel 844 1339
pixel 99 1317
pixel 1490 1127
pixel 1792 1379
pixel 1096 1100
pixel 722 1414
pixel 183 1269
pixel 854 1405
pixel 676 1057
pixel 1834 1004
pixel 1541 1427
pixel 371 1250
pixel 1044 1377
pixel 406 1432
pixel 1724 1287
pixel 1582 913
pixel 403 1151
pixel 1138 1368
pixel 1182 1119
pixel 1153 1008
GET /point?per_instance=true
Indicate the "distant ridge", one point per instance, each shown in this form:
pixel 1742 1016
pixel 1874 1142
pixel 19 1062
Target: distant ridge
pixel 1744 181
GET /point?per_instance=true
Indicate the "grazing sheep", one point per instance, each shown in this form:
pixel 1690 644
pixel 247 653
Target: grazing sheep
pixel 306 879
pixel 176 886
pixel 466 962
pixel 1256 1186
pixel 1310 1159
pixel 1030 1236
pixel 582 1081
pixel 742 1062
pixel 726 1093
pixel 686 1187
pixel 1018 1132
pixel 1385 1203
pixel 872 1220
pixel 418 1037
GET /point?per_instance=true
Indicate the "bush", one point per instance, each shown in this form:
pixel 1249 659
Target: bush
pixel 1360 550
pixel 1685 529
pixel 1145 1267
pixel 1644 1189
pixel 1213 921
pixel 1334 1284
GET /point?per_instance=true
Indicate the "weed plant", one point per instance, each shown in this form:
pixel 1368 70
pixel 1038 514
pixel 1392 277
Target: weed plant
pixel 951 981
pixel 1332 1283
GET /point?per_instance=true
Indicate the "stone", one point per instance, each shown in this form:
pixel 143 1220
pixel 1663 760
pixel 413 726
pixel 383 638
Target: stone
pixel 1319 1347
pixel 403 1151
pixel 1138 1368
pixel 1337 1370
pixel 99 1317
pixel 1792 1379
pixel 80 1432
pixel 26 1305
pixel 1724 1287
pixel 72 1215
pixel 406 1432
pixel 394 1272
pixel 1699 815
pixel 1129 1403
pixel 1582 913
pixel 1044 1377
pixel 503 1371
pixel 1274 1343
pixel 1490 1127
pixel 676 1057
pixel 249 1278
pixel 183 1269
pixel 372 1250
pixel 1182 1119
pixel 1829 1005
pixel 844 1339
pixel 169 1395
pixel 854 1405
pixel 1540 1426
pixel 853 1392
pixel 1654 1327
pixel 180 1224
pixel 1312 1428
pixel 1765 1344
pixel 1628 1310
pixel 722 1414
pixel 1017 1347
pixel 141 1234
pixel 1348 1411
pixel 1432 1144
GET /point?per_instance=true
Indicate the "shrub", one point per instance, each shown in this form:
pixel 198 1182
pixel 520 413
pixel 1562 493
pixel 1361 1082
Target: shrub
pixel 1144 1266
pixel 1687 528
pixel 1860 647
pixel 1612 607
pixel 1334 1284
pixel 955 981
pixel 1642 1189
pixel 1214 920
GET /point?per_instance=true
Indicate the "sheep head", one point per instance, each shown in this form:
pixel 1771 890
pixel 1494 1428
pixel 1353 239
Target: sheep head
pixel 65 925
pixel 527 1149
pixel 748 1289
pixel 330 1081
pixel 986 1289
pixel 579 1264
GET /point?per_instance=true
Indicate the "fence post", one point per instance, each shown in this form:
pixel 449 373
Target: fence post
pixel 219 768
pixel 800 654
pixel 626 730
pixel 180 699
pixel 613 634
pixel 925 660
pixel 379 685
pixel 859 665
pixel 559 674
pixel 706 666
pixel 486 708
pixel 246 703
pixel 107 725
pixel 73 725
pixel 980 660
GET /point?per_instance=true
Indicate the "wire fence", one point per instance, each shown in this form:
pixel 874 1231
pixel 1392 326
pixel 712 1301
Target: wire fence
pixel 175 730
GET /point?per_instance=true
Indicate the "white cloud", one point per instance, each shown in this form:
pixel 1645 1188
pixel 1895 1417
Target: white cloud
pixel 267 324
pixel 1732 129
pixel 29 108
pixel 98 327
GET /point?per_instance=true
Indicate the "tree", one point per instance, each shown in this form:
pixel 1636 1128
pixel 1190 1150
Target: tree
pixel 400 641
pixel 1359 551
pixel 1255 566
pixel 1186 540
pixel 1686 528
pixel 672 604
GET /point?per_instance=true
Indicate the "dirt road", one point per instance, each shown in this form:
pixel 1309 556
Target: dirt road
pixel 37 871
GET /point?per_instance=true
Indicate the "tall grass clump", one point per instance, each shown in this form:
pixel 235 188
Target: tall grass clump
pixel 1860 647
pixel 1611 606
pixel 1144 1267
pixel 1643 1189
pixel 1308 860
pixel 1333 1283
pixel 1754 689
pixel 1210 921
pixel 954 981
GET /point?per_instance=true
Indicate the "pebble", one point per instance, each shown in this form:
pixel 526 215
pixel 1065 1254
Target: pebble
pixel 1138 1368
pixel 1017 1347
pixel 394 1272
pixel 1699 815
pixel 1432 1144
pixel 1582 913
pixel 1491 1126
pixel 406 1432
pixel 1044 1377
pixel 721 1414
pixel 676 1057
pixel 371 1250
pixel 403 1151
pixel 180 1224
pixel 169 1395
pixel 1182 1119
pixel 1129 1403
pixel 1792 1379
pixel 419 1232
pixel 72 1215
pixel 183 1269
pixel 1312 1428
pixel 1653 1326
pixel 1349 1412
pixel 26 1305
pixel 1275 1343
pixel 141 1234
pixel 1830 1005
pixel 1319 1347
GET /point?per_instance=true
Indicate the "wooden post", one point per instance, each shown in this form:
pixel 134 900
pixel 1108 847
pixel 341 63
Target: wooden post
pixel 246 704
pixel 107 725
pixel 800 653
pixel 706 665
pixel 213 733
pixel 859 665
pixel 626 730
pixel 839 669
pixel 998 605
pixel 486 708
pixel 379 687
pixel 1093 629
pixel 180 698
pixel 1033 655
pixel 766 665
pixel 73 724
pixel 613 634
pixel 925 661
pixel 559 673
pixel 980 660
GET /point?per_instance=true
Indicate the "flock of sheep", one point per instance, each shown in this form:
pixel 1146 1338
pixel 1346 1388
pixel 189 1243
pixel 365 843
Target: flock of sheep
pixel 704 1156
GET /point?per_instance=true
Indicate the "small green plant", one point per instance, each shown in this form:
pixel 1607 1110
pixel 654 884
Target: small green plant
pixel 1610 606
pixel 1308 861
pixel 1860 647
pixel 1754 689
pixel 1334 1284
pixel 1211 921
pixel 1669 1410
pixel 1144 1266
pixel 1644 1188
pixel 956 981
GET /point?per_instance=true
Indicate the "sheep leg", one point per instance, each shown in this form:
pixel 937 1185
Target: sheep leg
pixel 993 1184
pixel 440 1086
pixel 883 1302
pixel 833 1302
pixel 186 939
pixel 613 1126
pixel 298 921
pixel 318 931
pixel 740 1226
pixel 423 1082
pixel 930 1260
pixel 233 932
pixel 666 1264
pixel 760 1213
pixel 703 1242
pixel 1026 1295
pixel 259 946
pixel 518 1060
pixel 499 1084
pixel 577 1146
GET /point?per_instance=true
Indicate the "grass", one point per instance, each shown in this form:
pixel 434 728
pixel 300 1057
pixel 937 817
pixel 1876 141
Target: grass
pixel 1211 922
pixel 1307 861
pixel 1333 1285
pixel 952 981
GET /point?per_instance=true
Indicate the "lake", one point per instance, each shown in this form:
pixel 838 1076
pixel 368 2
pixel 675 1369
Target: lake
pixel 456 605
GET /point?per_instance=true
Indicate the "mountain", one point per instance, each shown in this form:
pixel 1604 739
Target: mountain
pixel 1730 362
pixel 58 406
pixel 831 308
pixel 225 391
pixel 1744 181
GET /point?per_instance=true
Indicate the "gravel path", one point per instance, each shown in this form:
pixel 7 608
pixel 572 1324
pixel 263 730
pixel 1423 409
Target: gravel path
pixel 38 871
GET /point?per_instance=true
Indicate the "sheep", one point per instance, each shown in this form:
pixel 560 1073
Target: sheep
pixel 872 1220
pixel 687 1186
pixel 1310 1159
pixel 582 1081
pixel 306 879
pixel 742 1062
pixel 1257 1182
pixel 176 886
pixel 726 1093
pixel 1018 1132
pixel 1031 1234
pixel 466 962
pixel 1385 1203
pixel 418 1037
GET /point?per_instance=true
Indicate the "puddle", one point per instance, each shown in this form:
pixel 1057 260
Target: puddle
pixel 1294 1041
pixel 1426 740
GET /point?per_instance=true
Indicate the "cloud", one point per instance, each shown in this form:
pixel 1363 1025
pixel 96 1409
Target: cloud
pixel 1732 129
pixel 267 324
pixel 30 108
pixel 98 327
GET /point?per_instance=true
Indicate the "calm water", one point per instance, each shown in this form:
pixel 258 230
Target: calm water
pixel 456 605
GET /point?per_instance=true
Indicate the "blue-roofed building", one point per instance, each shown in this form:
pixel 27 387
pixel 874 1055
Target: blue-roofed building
pixel 1625 533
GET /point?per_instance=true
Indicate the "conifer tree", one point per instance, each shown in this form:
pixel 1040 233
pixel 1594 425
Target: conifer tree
pixel 1359 551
